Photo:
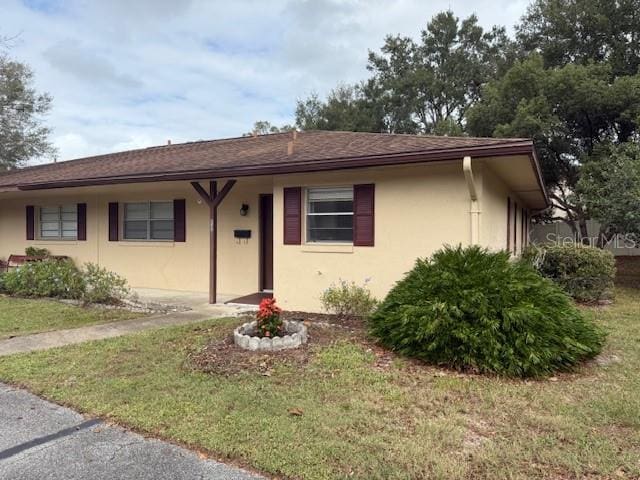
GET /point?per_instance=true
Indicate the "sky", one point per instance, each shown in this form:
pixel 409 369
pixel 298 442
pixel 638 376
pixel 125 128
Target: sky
pixel 128 74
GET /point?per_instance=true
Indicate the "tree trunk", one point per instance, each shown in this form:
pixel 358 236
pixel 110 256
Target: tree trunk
pixel 584 231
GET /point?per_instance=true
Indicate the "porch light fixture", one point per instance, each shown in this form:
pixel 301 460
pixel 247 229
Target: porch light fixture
pixel 244 209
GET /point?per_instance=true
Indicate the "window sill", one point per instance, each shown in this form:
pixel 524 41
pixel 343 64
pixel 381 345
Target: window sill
pixel 145 243
pixel 327 247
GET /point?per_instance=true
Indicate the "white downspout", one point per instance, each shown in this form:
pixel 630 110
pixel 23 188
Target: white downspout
pixel 474 209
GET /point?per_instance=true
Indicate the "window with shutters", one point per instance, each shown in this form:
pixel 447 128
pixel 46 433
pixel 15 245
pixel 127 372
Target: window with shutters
pixel 329 216
pixel 58 222
pixel 148 221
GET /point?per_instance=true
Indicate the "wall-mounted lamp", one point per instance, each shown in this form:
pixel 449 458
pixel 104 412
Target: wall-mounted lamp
pixel 244 209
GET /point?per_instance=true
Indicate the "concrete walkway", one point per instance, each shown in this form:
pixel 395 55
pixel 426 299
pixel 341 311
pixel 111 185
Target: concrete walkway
pixel 41 440
pixel 59 338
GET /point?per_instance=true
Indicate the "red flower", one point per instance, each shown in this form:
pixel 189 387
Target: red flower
pixel 268 308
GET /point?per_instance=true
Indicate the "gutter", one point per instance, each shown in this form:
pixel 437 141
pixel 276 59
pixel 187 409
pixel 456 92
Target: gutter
pixel 474 207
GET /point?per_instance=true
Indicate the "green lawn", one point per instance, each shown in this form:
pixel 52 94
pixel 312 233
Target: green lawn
pixel 360 420
pixel 24 316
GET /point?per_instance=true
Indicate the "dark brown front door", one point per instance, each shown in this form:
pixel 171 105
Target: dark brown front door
pixel 266 242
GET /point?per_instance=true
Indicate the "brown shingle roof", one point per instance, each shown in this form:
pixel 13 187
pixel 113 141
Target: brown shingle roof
pixel 264 154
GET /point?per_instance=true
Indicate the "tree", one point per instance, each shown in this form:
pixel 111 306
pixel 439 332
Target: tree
pixel 576 92
pixel 263 127
pixel 609 187
pixel 428 87
pixel 22 133
pixel 347 108
pixel 584 31
pixel 416 87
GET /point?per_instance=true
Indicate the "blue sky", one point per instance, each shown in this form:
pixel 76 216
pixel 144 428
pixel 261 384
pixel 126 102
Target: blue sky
pixel 134 73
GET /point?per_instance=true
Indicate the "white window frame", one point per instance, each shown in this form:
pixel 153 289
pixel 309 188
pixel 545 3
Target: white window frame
pixel 60 236
pixel 308 214
pixel 148 219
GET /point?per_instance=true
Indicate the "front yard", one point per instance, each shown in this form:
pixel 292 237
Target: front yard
pixel 348 410
pixel 25 316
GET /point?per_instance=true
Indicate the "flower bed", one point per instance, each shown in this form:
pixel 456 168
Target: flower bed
pixel 269 331
pixel 246 336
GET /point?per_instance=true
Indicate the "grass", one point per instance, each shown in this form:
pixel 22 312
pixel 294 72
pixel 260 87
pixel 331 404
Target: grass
pixel 360 420
pixel 20 316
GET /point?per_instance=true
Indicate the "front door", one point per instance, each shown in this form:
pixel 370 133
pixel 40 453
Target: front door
pixel 266 242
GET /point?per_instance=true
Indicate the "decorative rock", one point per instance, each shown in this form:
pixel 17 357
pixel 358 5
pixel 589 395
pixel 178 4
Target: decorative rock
pixel 265 344
pixel 245 337
pixel 243 341
pixel 254 343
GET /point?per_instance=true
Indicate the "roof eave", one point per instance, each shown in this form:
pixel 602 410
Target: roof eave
pixel 513 148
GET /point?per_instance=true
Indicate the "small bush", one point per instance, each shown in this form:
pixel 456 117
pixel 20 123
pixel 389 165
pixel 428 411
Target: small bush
pixel 102 286
pixel 586 273
pixel 48 278
pixel 36 252
pixel 347 298
pixel 471 309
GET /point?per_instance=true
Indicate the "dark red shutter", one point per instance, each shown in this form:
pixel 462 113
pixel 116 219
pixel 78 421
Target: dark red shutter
pixel 179 221
pixel 31 220
pixel 292 216
pixel 113 222
pixel 363 215
pixel 82 221
pixel 515 227
pixel 509 224
pixel 522 237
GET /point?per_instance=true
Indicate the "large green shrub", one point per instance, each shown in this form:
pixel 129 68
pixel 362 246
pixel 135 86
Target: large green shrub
pixel 62 279
pixel 347 298
pixel 48 278
pixel 586 273
pixel 471 309
pixel 102 286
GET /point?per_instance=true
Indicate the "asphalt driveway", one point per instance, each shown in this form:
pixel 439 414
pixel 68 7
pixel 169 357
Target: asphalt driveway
pixel 45 441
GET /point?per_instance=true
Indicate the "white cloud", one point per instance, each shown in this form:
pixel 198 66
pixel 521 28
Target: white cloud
pixel 127 74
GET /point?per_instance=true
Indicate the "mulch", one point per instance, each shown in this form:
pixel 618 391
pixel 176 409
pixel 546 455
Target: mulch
pixel 223 357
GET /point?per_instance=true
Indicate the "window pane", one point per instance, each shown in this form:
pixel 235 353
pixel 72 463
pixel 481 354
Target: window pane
pixel 330 214
pixel 162 210
pixel 331 206
pixel 135 230
pixel 162 229
pixel 69 229
pixel 49 229
pixel 69 213
pixel 330 221
pixel 69 208
pixel 331 235
pixel 49 214
pixel 136 211
pixel 344 193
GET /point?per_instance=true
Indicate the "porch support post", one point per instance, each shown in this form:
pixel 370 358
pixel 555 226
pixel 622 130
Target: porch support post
pixel 213 200
pixel 213 243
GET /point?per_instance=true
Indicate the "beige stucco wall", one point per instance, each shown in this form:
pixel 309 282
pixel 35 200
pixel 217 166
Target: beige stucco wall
pixel 418 209
pixel 494 212
pixel 167 265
